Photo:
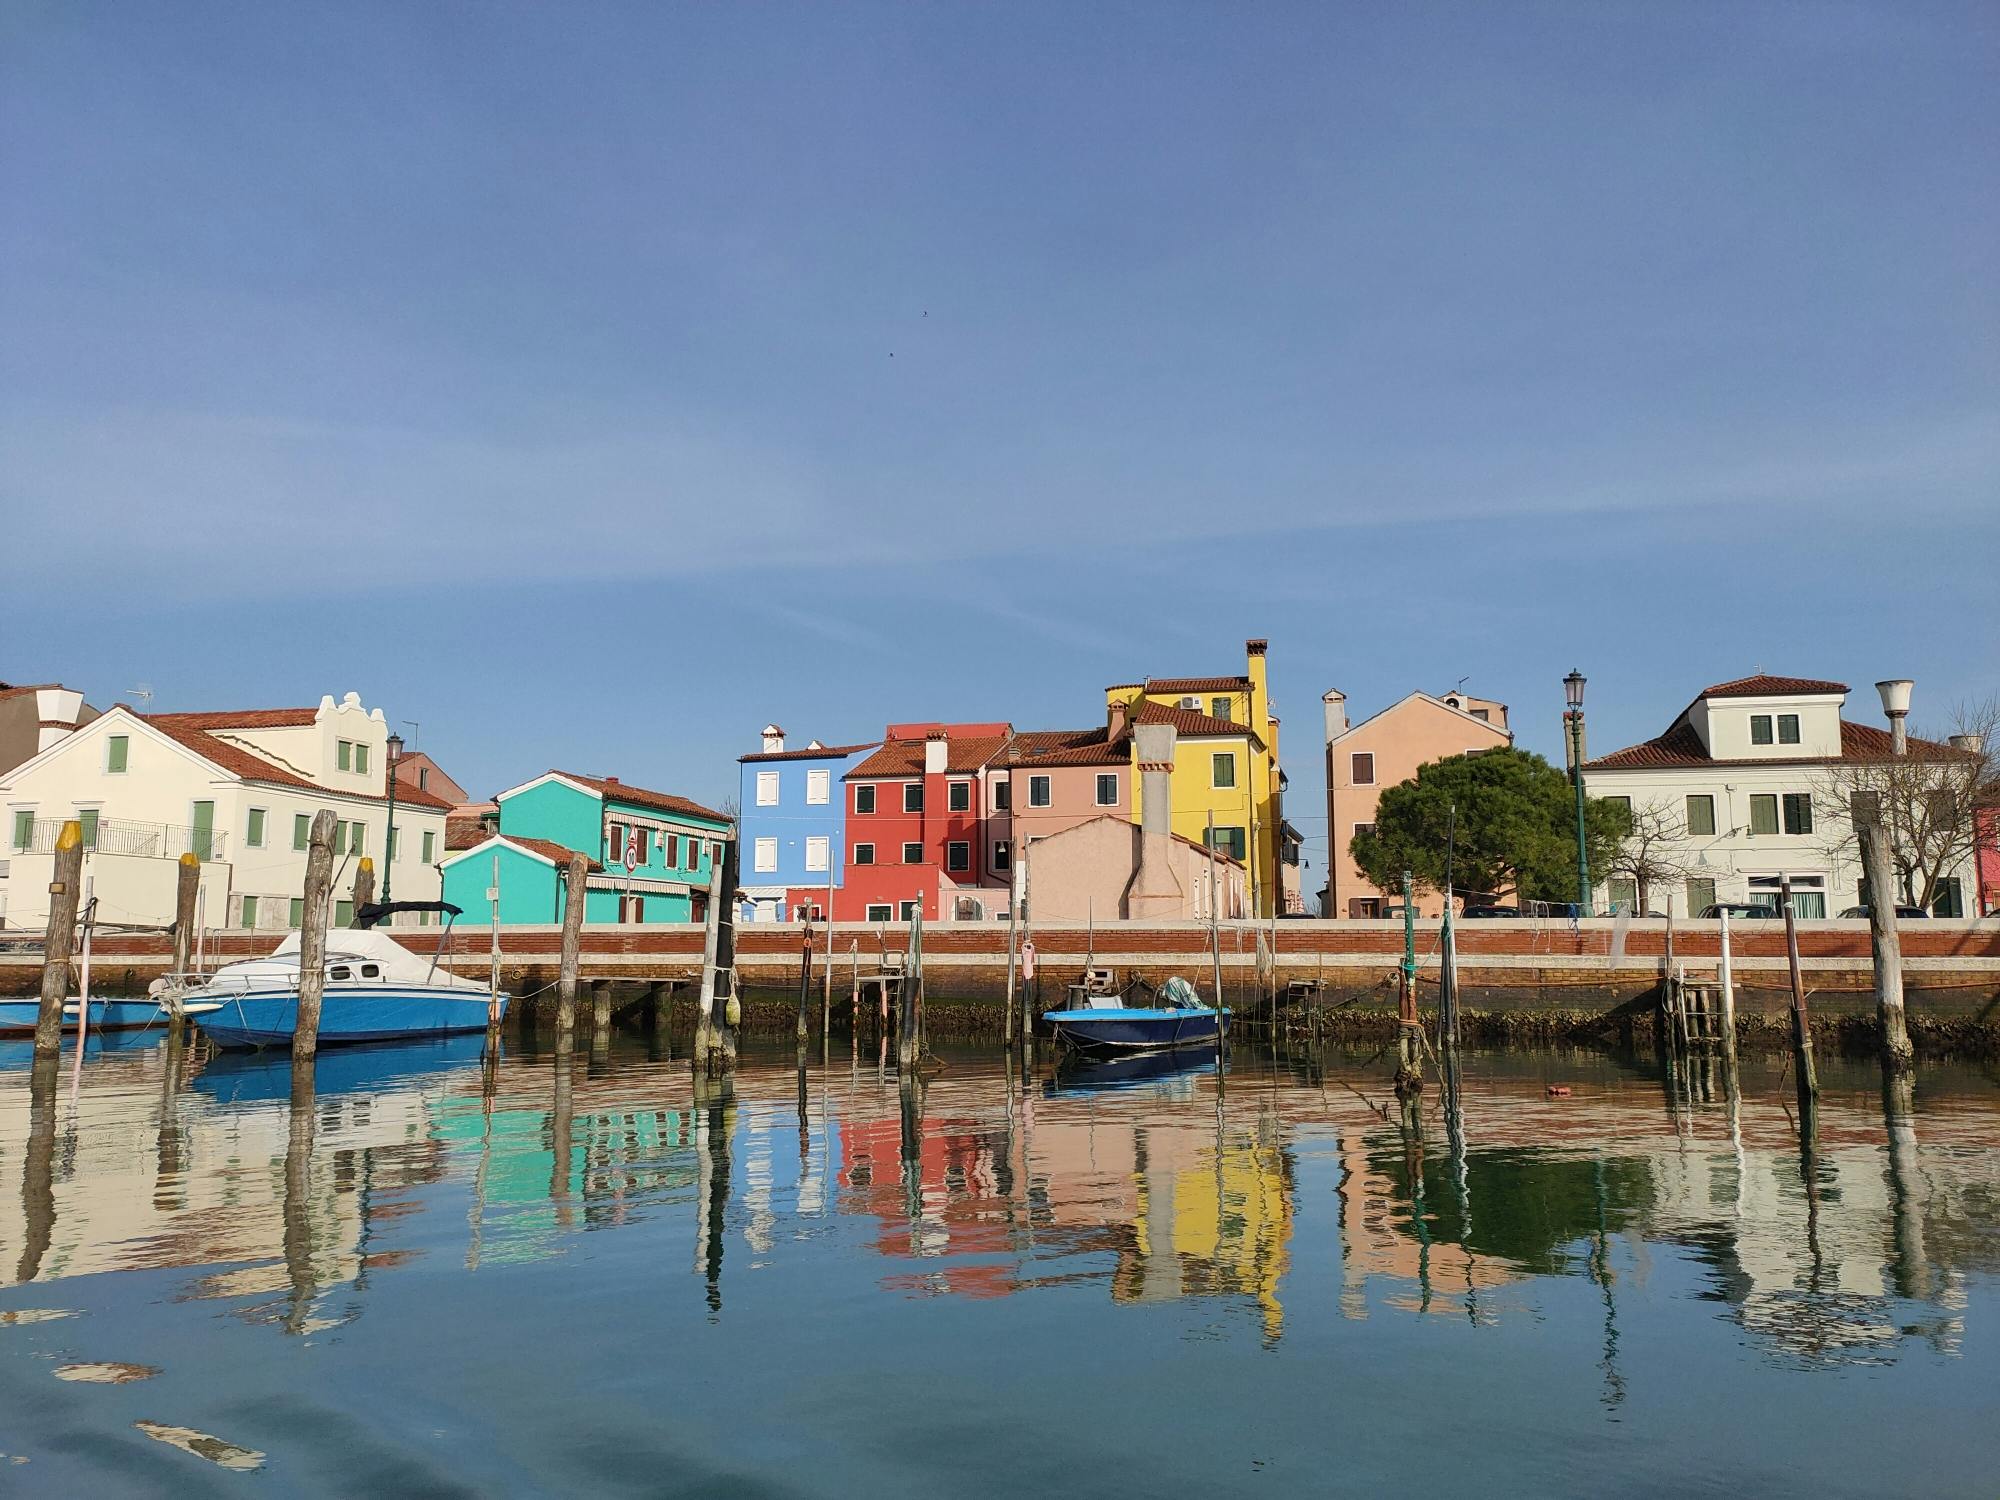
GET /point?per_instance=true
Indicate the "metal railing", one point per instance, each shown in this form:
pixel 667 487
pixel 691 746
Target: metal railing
pixel 120 836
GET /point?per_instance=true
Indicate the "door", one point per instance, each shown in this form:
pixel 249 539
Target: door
pixel 201 839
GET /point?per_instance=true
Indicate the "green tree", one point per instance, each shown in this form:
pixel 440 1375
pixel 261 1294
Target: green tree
pixel 1505 819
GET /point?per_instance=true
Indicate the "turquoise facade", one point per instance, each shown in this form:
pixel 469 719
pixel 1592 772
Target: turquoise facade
pixel 661 888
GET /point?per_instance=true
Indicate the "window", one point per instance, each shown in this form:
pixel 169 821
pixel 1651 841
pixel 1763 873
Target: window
pixel 614 844
pixel 393 837
pixel 1623 893
pixel 117 752
pixel 1624 802
pixel 1760 729
pixel 913 796
pixel 249 917
pixel 1003 796
pixel 1107 788
pixel 670 847
pixel 1039 791
pixel 864 854
pixel 361 759
pixel 1808 894
pixel 645 846
pixel 908 910
pixel 693 848
pixel 295 913
pixel 341 971
pixel 1701 896
pixel 357 836
pixel 764 856
pixel 1222 768
pixel 1364 830
pixel 879 913
pixel 1798 812
pixel 344 755
pixel 302 828
pixel 1763 812
pixel 958 797
pixel 253 831
pixel 430 847
pixel 817 852
pixel 343 916
pixel 24 832
pixel 201 837
pixel 1949 900
pixel 423 785
pixel 1003 856
pixel 864 799
pixel 1218 708
pixel 819 787
pixel 1483 715
pixel 1701 816
pixel 767 788
pixel 1788 729
pixel 958 856
pixel 1361 768
pixel 913 854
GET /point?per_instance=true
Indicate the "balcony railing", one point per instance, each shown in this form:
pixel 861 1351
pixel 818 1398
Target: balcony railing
pixel 121 836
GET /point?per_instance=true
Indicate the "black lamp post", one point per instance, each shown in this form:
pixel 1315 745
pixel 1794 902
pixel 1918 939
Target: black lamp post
pixel 389 847
pixel 1573 691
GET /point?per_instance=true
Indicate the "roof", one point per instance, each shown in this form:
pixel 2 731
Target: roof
pixel 249 766
pixel 1501 731
pixel 1765 686
pixel 1190 723
pixel 463 831
pixel 1197 685
pixel 824 752
pixel 246 718
pixel 1069 747
pixel 905 758
pixel 1681 746
pixel 639 797
pixel 18 689
pixel 548 849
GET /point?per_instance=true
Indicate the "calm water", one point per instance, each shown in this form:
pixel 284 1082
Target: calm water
pixel 457 1282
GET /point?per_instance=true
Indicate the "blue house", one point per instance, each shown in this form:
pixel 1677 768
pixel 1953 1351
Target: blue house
pixel 649 854
pixel 793 826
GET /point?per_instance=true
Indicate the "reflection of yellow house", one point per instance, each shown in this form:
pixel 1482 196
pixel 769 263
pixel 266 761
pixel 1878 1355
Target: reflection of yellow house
pixel 1225 763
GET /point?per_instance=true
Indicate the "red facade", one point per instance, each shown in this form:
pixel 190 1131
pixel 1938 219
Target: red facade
pixel 916 823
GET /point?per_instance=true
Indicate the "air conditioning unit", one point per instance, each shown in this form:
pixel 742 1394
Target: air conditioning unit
pixel 1191 701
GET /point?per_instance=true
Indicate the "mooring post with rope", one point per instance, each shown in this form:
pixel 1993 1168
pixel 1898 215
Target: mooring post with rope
pixel 313 917
pixel 574 900
pixel 59 943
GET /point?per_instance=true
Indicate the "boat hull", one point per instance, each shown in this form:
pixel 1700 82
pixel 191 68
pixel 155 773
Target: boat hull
pixel 18 1016
pixel 380 1013
pixel 1133 1030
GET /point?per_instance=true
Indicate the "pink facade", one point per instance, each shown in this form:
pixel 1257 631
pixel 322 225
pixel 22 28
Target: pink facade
pixel 1086 873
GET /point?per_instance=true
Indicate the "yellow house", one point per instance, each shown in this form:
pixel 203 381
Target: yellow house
pixel 1225 765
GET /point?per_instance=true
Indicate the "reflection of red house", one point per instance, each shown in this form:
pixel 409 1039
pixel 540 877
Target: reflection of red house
pixel 916 825
pixel 962 1208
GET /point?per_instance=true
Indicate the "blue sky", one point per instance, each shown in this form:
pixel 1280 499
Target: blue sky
pixel 596 383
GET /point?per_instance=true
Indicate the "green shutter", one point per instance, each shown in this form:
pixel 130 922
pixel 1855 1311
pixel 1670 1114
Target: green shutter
pixel 1624 893
pixel 361 759
pixel 203 834
pixel 249 911
pixel 87 816
pixel 1701 814
pixel 357 837
pixel 339 836
pixel 1701 896
pixel 24 831
pixel 120 746
pixel 343 913
pixel 430 848
pixel 344 756
pixel 254 835
pixel 302 827
pixel 295 913
pixel 1764 812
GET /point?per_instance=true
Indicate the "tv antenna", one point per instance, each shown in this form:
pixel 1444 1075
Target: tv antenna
pixel 417 730
pixel 143 692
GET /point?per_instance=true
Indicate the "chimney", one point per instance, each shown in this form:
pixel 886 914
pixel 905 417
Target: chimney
pixel 1256 647
pixel 774 739
pixel 1154 893
pixel 56 712
pixel 937 749
pixel 611 781
pixel 1896 704
pixel 1336 713
pixel 1971 744
pixel 1118 715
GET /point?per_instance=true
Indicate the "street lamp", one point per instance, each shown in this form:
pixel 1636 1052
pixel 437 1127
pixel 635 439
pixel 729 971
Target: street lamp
pixel 389 844
pixel 1573 691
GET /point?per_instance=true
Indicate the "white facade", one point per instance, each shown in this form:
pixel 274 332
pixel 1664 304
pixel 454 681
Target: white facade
pixel 239 795
pixel 1753 767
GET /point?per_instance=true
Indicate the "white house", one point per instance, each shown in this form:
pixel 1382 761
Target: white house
pixel 1742 778
pixel 238 790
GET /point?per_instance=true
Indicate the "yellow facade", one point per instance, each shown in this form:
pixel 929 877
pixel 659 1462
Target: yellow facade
pixel 1253 805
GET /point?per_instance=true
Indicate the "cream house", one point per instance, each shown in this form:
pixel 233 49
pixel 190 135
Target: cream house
pixel 238 791
pixel 1739 784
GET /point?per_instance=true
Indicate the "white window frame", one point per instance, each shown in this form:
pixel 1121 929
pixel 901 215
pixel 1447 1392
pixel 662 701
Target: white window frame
pixel 953 791
pixel 858 860
pixel 1102 777
pixel 763 856
pixel 1041 791
pixel 916 844
pixel 1353 774
pixel 767 788
pixel 250 813
pixel 873 800
pixel 913 789
pixel 880 911
pixel 909 909
pixel 108 739
pixel 819 787
pixel 819 852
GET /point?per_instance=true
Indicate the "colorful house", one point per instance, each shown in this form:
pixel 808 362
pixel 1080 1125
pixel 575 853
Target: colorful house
pixel 649 853
pixel 793 827
pixel 921 814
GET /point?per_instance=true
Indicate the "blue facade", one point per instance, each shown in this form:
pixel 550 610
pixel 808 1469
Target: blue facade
pixel 781 821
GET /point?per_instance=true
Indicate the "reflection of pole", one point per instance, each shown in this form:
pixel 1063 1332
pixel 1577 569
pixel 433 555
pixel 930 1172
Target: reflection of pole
pixel 1614 1383
pixel 562 1130
pixel 38 1183
pixel 1912 1275
pixel 83 989
pixel 1802 1044
pixel 298 1241
pixel 714 1120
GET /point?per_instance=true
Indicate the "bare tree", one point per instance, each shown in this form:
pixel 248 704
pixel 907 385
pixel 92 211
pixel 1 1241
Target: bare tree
pixel 1937 800
pixel 1655 852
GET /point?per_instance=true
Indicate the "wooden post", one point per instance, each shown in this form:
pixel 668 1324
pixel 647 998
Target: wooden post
pixel 854 1000
pixel 187 884
pixel 906 996
pixel 1215 942
pixel 1898 1056
pixel 826 993
pixel 83 989
pixel 1725 974
pixel 572 947
pixel 364 888
pixel 715 1036
pixel 312 948
pixel 1801 1027
pixel 493 955
pixel 1024 1013
pixel 1409 1028
pixel 804 1030
pixel 65 886
pixel 1013 956
pixel 600 1006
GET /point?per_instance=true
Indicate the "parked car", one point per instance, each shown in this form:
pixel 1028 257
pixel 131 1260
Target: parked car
pixel 1901 911
pixel 1491 911
pixel 1738 909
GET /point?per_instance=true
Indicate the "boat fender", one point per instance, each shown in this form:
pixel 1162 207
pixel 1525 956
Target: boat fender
pixel 1028 959
pixel 733 1011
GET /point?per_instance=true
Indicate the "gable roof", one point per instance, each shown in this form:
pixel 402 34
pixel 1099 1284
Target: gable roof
pixel 246 718
pixel 902 759
pixel 1069 747
pixel 1191 724
pixel 1680 746
pixel 1765 686
pixel 544 849
pixel 247 765
pixel 824 752
pixel 1434 701
pixel 1197 685
pixel 638 796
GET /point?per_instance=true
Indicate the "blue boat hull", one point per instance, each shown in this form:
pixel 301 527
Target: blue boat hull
pixel 105 1015
pixel 377 1014
pixel 1132 1030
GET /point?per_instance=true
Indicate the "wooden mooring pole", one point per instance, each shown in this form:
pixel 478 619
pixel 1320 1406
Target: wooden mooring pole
pixel 572 948
pixel 1802 1045
pixel 1725 975
pixel 1409 1028
pixel 804 1029
pixel 59 942
pixel 493 957
pixel 364 888
pixel 1898 1056
pixel 187 885
pixel 315 910
pixel 715 1034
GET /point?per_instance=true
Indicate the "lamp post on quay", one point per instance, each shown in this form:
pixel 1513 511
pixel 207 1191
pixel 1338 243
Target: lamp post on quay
pixel 395 748
pixel 1573 719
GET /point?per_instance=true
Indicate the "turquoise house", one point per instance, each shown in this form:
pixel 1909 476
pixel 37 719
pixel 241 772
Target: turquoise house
pixel 649 854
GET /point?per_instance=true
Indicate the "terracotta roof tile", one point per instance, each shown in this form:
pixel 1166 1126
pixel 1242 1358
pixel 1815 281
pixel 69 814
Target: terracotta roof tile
pixel 248 718
pixel 463 833
pixel 1068 747
pixel 1681 746
pixel 1197 684
pixel 640 797
pixel 903 759
pixel 1765 686
pixel 550 849
pixel 895 758
pixel 824 752
pixel 238 761
pixel 1189 722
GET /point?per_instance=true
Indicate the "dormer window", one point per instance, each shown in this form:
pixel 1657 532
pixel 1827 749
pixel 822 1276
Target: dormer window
pixel 1788 729
pixel 1760 729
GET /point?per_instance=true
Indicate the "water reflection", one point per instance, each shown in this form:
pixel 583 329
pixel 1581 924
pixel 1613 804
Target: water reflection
pixel 1138 1183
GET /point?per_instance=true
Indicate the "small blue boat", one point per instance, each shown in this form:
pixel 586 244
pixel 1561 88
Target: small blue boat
pixel 1079 1075
pixel 1109 1023
pixel 107 1013
pixel 376 990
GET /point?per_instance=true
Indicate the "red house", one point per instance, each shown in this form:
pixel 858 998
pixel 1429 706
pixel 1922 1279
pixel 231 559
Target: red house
pixel 917 825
